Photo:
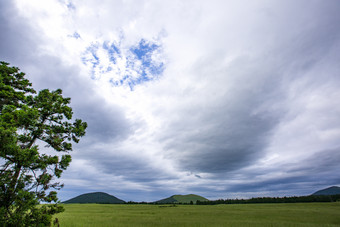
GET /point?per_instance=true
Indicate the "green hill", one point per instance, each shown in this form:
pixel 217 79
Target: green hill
pixel 182 199
pixel 95 197
pixel 328 191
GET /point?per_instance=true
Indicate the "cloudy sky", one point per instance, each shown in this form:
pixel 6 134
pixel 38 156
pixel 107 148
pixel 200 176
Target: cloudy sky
pixel 223 99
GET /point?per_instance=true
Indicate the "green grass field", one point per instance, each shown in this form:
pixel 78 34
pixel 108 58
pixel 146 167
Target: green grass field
pixel 298 214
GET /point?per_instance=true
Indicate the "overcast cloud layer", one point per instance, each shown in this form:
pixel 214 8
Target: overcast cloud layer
pixel 223 99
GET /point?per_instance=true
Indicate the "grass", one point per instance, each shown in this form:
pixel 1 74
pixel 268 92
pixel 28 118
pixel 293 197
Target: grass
pixel 298 214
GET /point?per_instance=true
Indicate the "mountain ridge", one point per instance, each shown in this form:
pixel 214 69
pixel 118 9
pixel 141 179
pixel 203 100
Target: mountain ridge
pixel 182 199
pixel 334 190
pixel 95 197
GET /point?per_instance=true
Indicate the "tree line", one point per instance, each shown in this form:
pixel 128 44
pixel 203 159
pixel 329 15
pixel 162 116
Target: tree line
pixel 293 199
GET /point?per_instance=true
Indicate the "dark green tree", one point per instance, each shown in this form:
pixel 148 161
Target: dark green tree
pixel 28 175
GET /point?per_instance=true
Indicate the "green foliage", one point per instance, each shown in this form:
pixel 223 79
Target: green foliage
pixel 13 85
pixel 27 176
pixel 297 214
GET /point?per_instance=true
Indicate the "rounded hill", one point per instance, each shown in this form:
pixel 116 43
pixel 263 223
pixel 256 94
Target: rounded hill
pixel 334 190
pixel 182 199
pixel 95 197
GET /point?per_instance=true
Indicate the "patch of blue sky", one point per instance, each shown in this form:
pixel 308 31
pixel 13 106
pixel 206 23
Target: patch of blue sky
pixel 157 69
pixel 126 67
pixel 143 50
pixel 114 82
pixel 144 76
pixel 90 55
pixel 76 35
pixel 71 6
pixel 91 58
pixel 150 69
pixel 113 51
pixel 68 4
pixel 125 78
pixel 122 81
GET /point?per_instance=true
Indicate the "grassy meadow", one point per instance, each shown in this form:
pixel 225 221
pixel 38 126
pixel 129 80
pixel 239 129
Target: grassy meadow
pixel 293 214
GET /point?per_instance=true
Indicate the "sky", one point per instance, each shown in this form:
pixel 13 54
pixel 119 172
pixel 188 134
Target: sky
pixel 224 99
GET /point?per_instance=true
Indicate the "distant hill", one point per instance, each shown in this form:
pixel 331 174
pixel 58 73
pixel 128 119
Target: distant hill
pixel 95 197
pixel 182 199
pixel 328 191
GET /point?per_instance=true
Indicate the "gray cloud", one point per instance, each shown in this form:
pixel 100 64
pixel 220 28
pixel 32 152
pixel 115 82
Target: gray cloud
pixel 296 178
pixel 129 168
pixel 228 132
pixel 257 85
pixel 322 164
pixel 105 123
pixel 18 39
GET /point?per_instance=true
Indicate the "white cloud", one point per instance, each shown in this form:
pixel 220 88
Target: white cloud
pixel 248 88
